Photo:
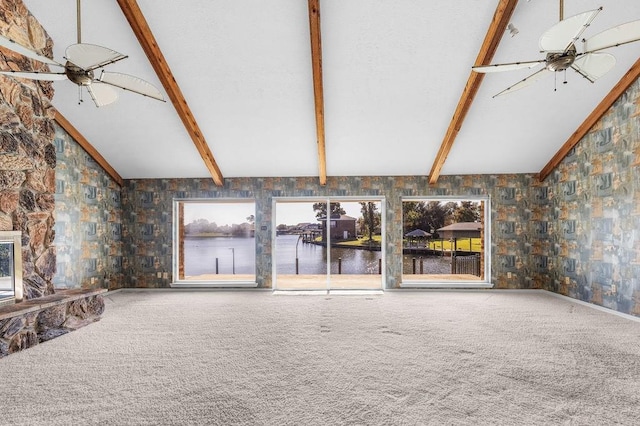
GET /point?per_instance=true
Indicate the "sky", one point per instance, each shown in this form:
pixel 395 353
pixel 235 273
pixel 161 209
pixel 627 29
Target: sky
pixel 288 213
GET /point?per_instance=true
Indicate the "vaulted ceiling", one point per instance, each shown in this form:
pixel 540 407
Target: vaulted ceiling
pixel 332 87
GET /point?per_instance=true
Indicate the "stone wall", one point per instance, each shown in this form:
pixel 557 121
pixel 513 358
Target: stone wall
pixel 29 323
pixel 88 220
pixel 27 154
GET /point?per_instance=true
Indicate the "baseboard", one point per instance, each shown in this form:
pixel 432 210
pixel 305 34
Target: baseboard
pixel 397 290
pixel 593 306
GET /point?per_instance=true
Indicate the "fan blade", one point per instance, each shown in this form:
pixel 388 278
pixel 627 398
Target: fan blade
pixel 525 82
pixel 131 83
pixel 36 75
pixel 91 56
pixel 102 94
pixel 592 66
pixel 622 34
pixel 506 67
pixel 562 35
pixel 18 48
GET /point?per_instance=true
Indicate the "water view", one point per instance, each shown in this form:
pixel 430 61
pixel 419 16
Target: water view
pixel 430 264
pixel 312 258
pixel 201 255
pixel 234 255
pixel 219 238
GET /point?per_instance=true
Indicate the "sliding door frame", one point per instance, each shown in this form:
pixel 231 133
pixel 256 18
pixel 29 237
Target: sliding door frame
pixel 328 200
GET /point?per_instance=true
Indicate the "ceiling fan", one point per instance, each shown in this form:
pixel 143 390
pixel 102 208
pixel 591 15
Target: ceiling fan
pixel 558 43
pixel 82 64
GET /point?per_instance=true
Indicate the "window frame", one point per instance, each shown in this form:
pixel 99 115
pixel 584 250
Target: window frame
pixel 485 281
pixel 177 281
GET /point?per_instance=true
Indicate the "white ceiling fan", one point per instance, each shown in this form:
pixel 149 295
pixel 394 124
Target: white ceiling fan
pixel 559 45
pixel 83 61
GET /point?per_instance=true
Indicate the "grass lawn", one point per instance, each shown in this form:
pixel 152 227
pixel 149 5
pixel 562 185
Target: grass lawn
pixel 363 242
pixel 462 244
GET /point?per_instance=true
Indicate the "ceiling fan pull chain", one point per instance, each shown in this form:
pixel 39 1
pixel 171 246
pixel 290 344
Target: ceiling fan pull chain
pixel 565 77
pixel 555 82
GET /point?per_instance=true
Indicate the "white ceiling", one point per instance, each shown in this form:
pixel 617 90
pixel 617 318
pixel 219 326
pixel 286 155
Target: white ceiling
pixel 394 71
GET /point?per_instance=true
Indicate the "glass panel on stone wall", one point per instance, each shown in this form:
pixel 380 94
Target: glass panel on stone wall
pixel 216 241
pixel 443 240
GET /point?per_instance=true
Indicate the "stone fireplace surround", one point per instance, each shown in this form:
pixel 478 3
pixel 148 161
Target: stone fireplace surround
pixel 34 321
pixel 27 188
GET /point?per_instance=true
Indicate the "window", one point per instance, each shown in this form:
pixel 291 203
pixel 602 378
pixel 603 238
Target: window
pixel 444 241
pixel 214 242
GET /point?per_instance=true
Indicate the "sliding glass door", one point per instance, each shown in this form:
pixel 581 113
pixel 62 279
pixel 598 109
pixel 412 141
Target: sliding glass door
pixel 325 244
pixel 354 232
pixel 300 258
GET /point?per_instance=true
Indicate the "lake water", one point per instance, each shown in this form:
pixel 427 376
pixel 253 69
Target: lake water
pixel 312 259
pixel 201 253
pixel 430 264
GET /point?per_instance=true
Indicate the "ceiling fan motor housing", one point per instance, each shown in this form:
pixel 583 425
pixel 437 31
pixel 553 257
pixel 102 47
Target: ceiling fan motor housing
pixel 561 61
pixel 78 75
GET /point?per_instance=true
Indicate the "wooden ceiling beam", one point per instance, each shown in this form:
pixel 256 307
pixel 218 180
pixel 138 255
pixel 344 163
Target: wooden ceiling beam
pixel 86 145
pixel 318 91
pixel 499 23
pixel 632 75
pixel 141 29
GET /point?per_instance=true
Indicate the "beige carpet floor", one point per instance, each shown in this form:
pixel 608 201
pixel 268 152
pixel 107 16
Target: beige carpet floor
pixel 402 358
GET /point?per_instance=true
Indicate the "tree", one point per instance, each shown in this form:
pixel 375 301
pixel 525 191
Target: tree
pixel 370 219
pixel 428 216
pixel 467 211
pixel 415 216
pixel 321 210
pixel 241 230
pixel 436 214
pixel 200 226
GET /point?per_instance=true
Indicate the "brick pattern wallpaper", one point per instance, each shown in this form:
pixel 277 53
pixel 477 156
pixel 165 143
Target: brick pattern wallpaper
pixel 147 220
pixel 594 211
pixel 88 220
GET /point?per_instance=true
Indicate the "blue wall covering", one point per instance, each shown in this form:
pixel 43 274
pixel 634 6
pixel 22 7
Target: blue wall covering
pixel 88 220
pixel 147 221
pixel 595 212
